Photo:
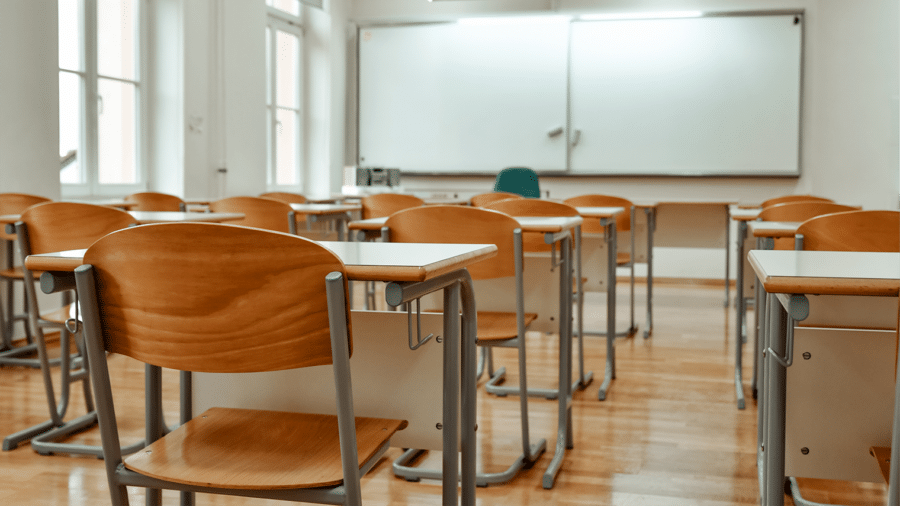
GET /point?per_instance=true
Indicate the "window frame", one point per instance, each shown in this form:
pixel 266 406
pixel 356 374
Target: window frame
pixel 278 20
pixel 89 134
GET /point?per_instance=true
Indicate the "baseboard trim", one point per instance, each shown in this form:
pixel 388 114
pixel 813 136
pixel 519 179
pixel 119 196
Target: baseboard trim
pixel 678 281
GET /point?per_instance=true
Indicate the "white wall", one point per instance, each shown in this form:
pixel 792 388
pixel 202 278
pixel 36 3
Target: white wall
pixel 29 109
pixel 850 110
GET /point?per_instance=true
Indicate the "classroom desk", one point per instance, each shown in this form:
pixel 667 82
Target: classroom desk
pixel 339 214
pixel 844 305
pixel 742 216
pixel 412 270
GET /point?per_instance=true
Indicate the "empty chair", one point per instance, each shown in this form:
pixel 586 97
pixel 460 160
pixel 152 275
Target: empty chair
pixel 289 198
pixel 623 224
pixel 226 299
pixel 155 201
pixel 483 199
pixel 799 212
pixel 470 225
pixel 851 231
pixel 382 205
pixel 265 213
pixel 46 228
pixel 534 242
pixel 793 198
pixel 13 203
pixel 519 180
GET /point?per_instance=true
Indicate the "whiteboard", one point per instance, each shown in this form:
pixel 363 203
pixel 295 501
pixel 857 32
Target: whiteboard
pixel 715 95
pixel 455 97
pixel 705 96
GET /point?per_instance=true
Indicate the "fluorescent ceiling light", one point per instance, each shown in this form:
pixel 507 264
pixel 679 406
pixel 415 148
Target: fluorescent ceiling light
pixel 505 20
pixel 642 15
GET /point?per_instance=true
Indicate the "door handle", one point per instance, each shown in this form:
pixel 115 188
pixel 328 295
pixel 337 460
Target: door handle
pixel 576 136
pixel 556 132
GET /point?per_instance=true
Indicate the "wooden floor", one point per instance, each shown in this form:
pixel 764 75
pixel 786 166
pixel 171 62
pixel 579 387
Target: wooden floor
pixel 668 434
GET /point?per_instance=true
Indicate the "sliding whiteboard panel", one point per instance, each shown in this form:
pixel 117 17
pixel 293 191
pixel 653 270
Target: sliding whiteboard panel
pixel 698 96
pixel 456 97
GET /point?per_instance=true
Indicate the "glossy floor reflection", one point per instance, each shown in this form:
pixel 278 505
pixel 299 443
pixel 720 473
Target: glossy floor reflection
pixel 668 434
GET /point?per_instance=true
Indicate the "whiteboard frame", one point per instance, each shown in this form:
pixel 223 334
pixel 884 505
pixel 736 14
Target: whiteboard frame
pixel 567 172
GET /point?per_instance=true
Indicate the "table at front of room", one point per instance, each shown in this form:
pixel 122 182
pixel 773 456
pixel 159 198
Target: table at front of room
pixel 413 270
pixel 339 214
pixel 829 389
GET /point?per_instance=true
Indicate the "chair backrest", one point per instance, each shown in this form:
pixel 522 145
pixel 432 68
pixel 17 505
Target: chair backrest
pixel 60 226
pixel 802 211
pixel 385 204
pixel 15 203
pixel 287 197
pixel 214 298
pixel 623 221
pixel 268 214
pixel 852 231
pixel 519 180
pixel 462 225
pixel 155 201
pixel 532 241
pixel 483 199
pixel 793 198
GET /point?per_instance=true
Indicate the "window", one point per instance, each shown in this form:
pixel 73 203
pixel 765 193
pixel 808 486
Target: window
pixel 100 97
pixel 284 125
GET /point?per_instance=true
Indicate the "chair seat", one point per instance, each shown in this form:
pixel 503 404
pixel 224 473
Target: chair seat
pixel 495 326
pixel 60 315
pixel 265 450
pixel 14 273
pixel 623 258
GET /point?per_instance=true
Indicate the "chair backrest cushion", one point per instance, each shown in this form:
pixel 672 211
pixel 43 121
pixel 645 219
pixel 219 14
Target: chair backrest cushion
pixel 460 225
pixel 60 226
pixel 214 298
pixel 153 201
pixel 265 213
pixel 793 198
pixel 519 180
pixel 533 241
pixel 483 199
pixel 852 231
pixel 623 220
pixel 385 204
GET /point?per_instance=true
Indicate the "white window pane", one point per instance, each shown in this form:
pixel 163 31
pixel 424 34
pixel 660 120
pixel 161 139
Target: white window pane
pixel 116 50
pixel 269 155
pixel 69 35
pixel 286 141
pixel 287 61
pixel 292 6
pixel 70 128
pixel 117 121
pixel 268 66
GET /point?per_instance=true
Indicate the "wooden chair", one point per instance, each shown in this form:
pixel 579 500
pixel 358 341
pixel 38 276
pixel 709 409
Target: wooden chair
pixel 385 204
pixel 851 231
pixel 799 212
pixel 288 198
pixel 471 225
pixel 483 199
pixel 155 201
pixel 265 213
pixel 533 242
pixel 793 198
pixel 623 224
pixel 171 298
pixel 45 228
pixel 14 203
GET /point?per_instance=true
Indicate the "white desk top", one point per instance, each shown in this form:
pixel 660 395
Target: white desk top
pixel 529 224
pixel 364 261
pixel 600 212
pixel 322 209
pixel 827 272
pixel 773 228
pixel 742 214
pixel 146 217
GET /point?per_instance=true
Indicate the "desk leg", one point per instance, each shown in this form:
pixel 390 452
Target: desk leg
pixel 894 475
pixel 727 250
pixel 585 379
pixel 651 228
pixel 452 366
pixel 740 317
pixel 775 404
pixel 610 309
pixel 467 399
pixel 153 428
pixel 564 418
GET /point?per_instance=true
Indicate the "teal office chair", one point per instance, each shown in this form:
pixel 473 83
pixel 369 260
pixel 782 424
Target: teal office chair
pixel 519 180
